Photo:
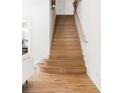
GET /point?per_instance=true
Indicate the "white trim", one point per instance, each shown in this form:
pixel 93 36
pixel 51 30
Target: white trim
pixel 52 17
pixel 82 37
pixel 93 80
pixel 53 30
pixel 80 29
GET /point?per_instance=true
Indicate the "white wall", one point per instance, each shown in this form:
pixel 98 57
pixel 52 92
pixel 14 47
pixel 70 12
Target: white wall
pixel 89 15
pixel 64 7
pixel 39 12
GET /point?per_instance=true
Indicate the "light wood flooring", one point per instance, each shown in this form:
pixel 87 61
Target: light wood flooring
pixel 64 71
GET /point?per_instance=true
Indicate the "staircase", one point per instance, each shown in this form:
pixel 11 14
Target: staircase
pixel 64 71
pixel 66 54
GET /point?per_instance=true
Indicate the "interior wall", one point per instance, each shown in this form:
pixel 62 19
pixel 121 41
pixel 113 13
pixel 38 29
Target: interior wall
pixel 38 11
pixel 64 7
pixel 89 13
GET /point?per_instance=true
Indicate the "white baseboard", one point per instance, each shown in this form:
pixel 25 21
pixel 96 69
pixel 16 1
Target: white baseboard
pixel 82 37
pixel 93 80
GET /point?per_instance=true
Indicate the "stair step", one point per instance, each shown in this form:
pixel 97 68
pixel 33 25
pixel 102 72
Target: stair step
pixel 63 60
pixel 62 64
pixel 66 48
pixel 66 36
pixel 73 27
pixel 66 39
pixel 43 66
pixel 65 25
pixel 65 33
pixel 68 57
pixel 71 47
pixel 66 52
pixel 66 28
pixel 63 70
pixel 67 43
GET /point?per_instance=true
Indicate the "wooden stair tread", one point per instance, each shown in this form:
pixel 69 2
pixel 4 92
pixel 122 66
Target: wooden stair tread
pixel 63 60
pixel 63 71
pixel 60 67
pixel 62 64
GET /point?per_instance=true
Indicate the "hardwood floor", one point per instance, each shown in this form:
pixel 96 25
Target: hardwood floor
pixel 64 71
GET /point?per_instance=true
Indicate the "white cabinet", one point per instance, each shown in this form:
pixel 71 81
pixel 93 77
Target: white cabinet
pixel 27 69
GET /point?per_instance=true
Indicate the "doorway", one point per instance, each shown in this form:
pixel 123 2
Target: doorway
pixel 64 7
